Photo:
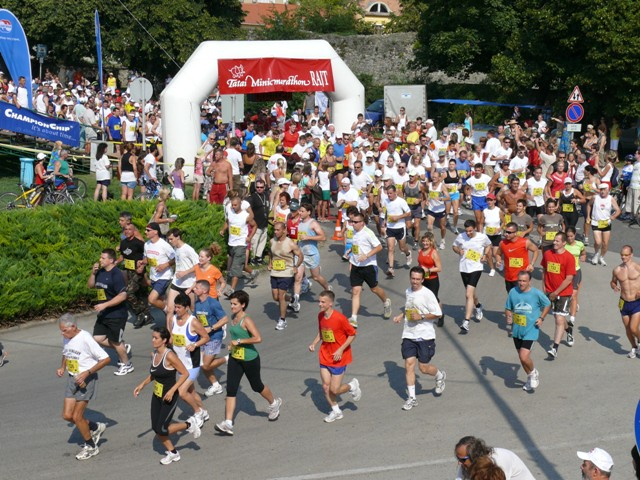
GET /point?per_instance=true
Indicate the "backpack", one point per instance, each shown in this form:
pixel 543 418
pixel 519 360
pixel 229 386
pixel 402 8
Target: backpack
pixel 615 177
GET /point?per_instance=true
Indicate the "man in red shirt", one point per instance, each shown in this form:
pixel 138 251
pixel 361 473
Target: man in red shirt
pixel 336 334
pixel 290 139
pixel 559 269
pixel 514 255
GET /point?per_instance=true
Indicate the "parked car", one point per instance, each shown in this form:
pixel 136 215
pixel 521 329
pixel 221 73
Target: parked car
pixel 374 114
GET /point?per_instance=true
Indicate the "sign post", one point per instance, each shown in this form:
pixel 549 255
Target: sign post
pixel 41 54
pixel 575 111
pixel 142 91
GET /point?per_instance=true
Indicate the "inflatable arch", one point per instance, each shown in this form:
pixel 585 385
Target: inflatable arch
pixel 181 99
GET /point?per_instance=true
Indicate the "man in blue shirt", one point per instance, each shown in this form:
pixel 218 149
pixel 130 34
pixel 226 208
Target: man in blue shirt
pixel 114 126
pixel 210 313
pixel 526 307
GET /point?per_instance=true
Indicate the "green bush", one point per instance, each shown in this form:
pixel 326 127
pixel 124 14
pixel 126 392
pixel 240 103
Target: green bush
pixel 47 253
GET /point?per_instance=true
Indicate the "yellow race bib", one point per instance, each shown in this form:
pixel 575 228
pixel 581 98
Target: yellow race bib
pixel 338 167
pixel 462 173
pixel 480 186
pixel 349 233
pixel 327 335
pixel 620 305
pixel 550 235
pixel 237 231
pixel 492 230
pixel 355 249
pixel 179 340
pixel 553 267
pixel 203 319
pixel 100 295
pixel 568 207
pixel 507 218
pixel 452 188
pixel 558 194
pixel 129 264
pixel 411 201
pixel 158 389
pixel 399 188
pixel 408 314
pixel 473 255
pixel 375 190
pixel 72 367
pixel 516 262
pixel 238 352
pixel 153 262
pixel 279 265
pixel 434 195
pixel 537 192
pixel 520 319
pixel 603 223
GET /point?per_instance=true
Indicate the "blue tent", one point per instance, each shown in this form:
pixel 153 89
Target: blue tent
pixel 462 101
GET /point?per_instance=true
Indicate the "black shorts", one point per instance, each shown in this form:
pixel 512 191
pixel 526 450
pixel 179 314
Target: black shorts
pixel 495 239
pixel 560 306
pixel 433 285
pixel 360 275
pixel 577 279
pixel 178 289
pixel 436 215
pixel 423 350
pixel 397 233
pixel 520 343
pixel 282 283
pixel 595 228
pixel 471 279
pixel 104 183
pixel 112 328
pixel 162 413
pixel 510 285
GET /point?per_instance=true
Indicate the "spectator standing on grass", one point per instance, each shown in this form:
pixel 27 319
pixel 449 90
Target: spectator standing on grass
pixel 103 173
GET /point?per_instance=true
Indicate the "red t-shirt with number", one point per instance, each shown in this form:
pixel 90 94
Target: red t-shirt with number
pixel 333 333
pixel 516 257
pixel 556 268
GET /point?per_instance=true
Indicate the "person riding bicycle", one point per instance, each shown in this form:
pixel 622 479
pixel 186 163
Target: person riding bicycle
pixel 62 172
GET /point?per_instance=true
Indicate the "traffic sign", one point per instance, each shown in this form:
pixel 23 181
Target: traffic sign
pixel 574 127
pixel 575 112
pixel 141 90
pixel 576 96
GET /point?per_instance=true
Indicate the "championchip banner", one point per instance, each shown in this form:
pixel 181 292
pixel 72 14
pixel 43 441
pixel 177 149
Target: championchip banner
pixel 263 75
pixel 25 121
pixel 14 49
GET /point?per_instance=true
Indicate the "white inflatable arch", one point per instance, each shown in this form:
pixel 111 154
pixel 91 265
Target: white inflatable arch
pixel 181 99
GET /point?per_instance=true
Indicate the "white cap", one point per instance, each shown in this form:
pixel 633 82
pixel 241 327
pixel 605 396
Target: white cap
pixel 470 141
pixel 413 172
pixel 41 156
pixel 378 173
pixel 599 458
pixel 568 180
pixel 345 181
pixel 137 105
pixel 429 121
pixel 392 128
pixel 387 176
pixel 369 154
pixel 305 156
pixel 366 143
pixel 603 185
pixel 283 181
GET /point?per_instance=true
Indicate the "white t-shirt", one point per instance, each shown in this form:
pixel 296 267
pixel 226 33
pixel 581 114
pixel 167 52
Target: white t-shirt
pixel 535 188
pixel 384 155
pixel 156 254
pixel 323 178
pixel 238 228
pixel 363 242
pixel 350 195
pixel 361 182
pixel 492 146
pixel 273 162
pixel 186 258
pixel 150 160
pixel 23 97
pixel 425 302
pixel 102 168
pixel 473 249
pixel 480 185
pixel 519 163
pixel 396 207
pixel 82 352
pixel 235 159
pixel 512 466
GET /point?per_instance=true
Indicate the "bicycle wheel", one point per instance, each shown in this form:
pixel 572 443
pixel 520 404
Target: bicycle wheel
pixel 60 198
pixel 76 197
pixel 81 186
pixel 9 201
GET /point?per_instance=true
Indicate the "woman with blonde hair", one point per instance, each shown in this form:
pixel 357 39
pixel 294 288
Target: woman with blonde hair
pixel 161 212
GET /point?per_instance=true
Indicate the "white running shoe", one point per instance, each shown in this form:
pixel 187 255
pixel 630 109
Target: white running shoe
pixel 87 452
pixel 534 380
pixel 570 339
pixel 632 353
pixel 355 391
pixel 170 457
pixel 595 258
pixel 274 410
pixel 602 262
pixel 465 326
pixel 479 313
pixel 410 403
pixel 492 272
pixel 527 386
pixel 440 385
pixel 202 415
pixel 306 285
pixel 225 427
pixel 442 244
pixel 224 332
pixel 124 369
pixel 333 416
pixel 194 427
pixel 295 306
pixel 409 257
pixel 354 322
pixel 553 352
pixel 97 433
pixel 281 325
pixel 214 390
pixel 387 308
pixel 571 320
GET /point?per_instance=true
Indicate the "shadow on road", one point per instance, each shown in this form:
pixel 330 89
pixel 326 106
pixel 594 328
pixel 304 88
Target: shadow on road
pixel 607 340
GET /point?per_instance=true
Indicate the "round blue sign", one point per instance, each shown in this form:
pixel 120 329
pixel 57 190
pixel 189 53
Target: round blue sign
pixel 575 112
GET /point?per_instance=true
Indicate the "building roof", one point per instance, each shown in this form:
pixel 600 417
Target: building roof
pixel 255 11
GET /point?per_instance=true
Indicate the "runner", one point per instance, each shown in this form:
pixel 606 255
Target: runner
pixel 493 219
pixel 165 364
pixel 549 225
pixel 82 357
pixel 429 260
pixel 418 335
pixel 600 218
pixel 526 308
pixel 522 219
pixel 559 269
pixel 364 267
pixel 131 253
pixel 396 210
pixel 309 234
pixel 479 184
pixel 535 187
pixel 160 257
pixel 108 280
pixel 570 198
pixel 413 194
pixel 244 360
pixel 186 259
pixel 473 248
pixel 453 181
pixel 626 281
pixel 513 256
pixel 438 195
pixel 337 335
pixel 205 270
pixel 238 222
pixel 575 248
pixel 285 258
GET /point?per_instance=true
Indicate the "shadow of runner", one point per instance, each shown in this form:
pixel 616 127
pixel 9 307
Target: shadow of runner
pixel 607 340
pixel 507 371
pixel 396 377
pixel 314 389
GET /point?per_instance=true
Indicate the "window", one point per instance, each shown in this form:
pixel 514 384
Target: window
pixel 378 7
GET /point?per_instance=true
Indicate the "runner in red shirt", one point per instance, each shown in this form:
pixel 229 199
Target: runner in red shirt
pixel 514 255
pixel 336 334
pixel 559 269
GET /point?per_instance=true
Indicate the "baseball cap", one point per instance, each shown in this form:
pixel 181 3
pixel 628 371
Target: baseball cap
pixel 294 205
pixel 599 458
pixel 603 185
pixel 154 226
pixel 429 121
pixel 413 172
pixel 491 196
pixel 568 180
pixel 386 176
pixel 369 154
pixel 345 181
pixel 41 156
pixel 378 173
pixel 283 181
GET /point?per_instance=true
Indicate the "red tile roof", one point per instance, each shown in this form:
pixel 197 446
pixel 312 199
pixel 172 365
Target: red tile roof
pixel 255 11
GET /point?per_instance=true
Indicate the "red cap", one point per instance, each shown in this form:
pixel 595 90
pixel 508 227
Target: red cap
pixel 491 196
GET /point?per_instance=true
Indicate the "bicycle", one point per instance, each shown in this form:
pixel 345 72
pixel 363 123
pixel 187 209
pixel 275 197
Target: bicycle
pixel 152 190
pixel 65 195
pixel 81 186
pixel 29 198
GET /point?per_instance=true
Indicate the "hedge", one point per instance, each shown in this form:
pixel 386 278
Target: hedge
pixel 46 254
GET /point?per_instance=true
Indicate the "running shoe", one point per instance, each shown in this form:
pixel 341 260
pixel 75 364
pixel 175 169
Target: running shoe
pixel 252 276
pixel 306 286
pixel 442 244
pixel 440 321
pixel 527 387
pixel 534 380
pixel 409 257
pixel 333 416
pixel 390 273
pixel 97 433
pixel 202 415
pixel 274 410
pixel 225 427
pixel 354 322
pixel 570 339
pixel 632 353
pixel 142 320
pixel 571 320
pixel 465 326
pixel 194 427
pixel 492 272
pixel 123 369
pixel 479 313
pixel 387 308
pixel 586 241
pixel 170 457
pixel 224 332
pixel 127 347
pixel 214 390
pixel 602 262
pixel 295 306
pixel 440 385
pixel 553 352
pixel 87 452
pixel 281 325
pixel 595 258
pixel 355 391
pixel 410 403
pixel 3 358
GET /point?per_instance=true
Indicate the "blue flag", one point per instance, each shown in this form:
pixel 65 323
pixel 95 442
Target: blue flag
pixel 31 123
pixel 14 49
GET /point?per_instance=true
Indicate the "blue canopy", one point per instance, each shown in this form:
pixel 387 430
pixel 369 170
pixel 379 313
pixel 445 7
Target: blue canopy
pixel 463 101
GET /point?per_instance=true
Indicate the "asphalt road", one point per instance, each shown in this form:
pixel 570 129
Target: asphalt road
pixel 587 396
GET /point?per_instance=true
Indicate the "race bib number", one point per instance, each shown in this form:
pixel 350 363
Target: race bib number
pixel 375 190
pixel 568 207
pixel 587 187
pixel 129 264
pixel 603 223
pixel 462 173
pixel 492 230
pixel 384 212
pixel 507 218
pixel 521 176
pixel 359 192
pixel 153 262
pixel 558 194
pixel 408 314
pixel 620 305
pixel 279 265
pixel 434 195
pixel 339 166
pixel 537 192
pixel 100 295
pixel 520 319
pixel 238 352
pixel 412 201
pixel 553 267
pixel 355 249
pixel 237 231
pixel 158 389
pixel 516 262
pixel 203 319
pixel 179 340
pixel 301 235
pixel 349 233
pixel 550 235
pixel 72 367
pixel 473 255
pixel 399 187
pixel 327 335
pixel 453 188
pixel 480 186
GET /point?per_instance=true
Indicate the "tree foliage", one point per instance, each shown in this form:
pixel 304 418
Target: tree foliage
pixel 179 26
pixel 547 46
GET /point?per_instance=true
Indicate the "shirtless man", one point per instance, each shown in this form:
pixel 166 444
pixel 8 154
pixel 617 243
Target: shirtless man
pixel 626 280
pixel 508 199
pixel 220 171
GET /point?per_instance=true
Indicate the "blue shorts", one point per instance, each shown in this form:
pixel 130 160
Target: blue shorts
pixel 193 373
pixel 130 185
pixel 212 347
pixel 335 370
pixel 478 203
pixel 629 308
pixel 423 350
pixel 454 196
pixel 312 261
pixel 160 286
pixel 281 283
